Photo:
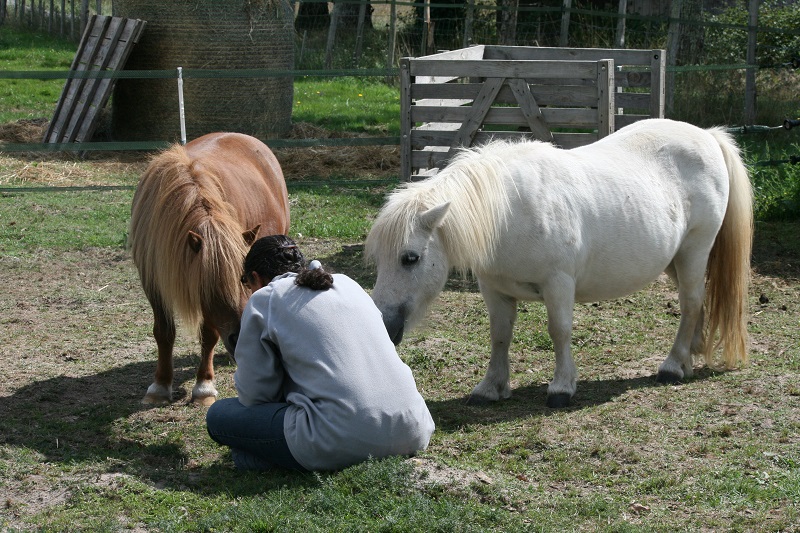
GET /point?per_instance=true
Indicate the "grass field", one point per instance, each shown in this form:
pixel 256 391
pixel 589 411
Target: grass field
pixel 79 452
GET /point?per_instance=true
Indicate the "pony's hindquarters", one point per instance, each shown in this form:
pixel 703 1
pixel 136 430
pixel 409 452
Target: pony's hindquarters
pixel 728 273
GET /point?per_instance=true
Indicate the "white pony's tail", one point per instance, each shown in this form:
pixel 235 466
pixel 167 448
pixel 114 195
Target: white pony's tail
pixel 728 274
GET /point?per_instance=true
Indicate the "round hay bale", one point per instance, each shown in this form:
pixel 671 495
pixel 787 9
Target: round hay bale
pixel 206 34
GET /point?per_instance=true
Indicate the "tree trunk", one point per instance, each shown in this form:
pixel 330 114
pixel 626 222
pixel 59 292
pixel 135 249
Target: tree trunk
pixel 348 17
pixel 312 16
pixel 507 31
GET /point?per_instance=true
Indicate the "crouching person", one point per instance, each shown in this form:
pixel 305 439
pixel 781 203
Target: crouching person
pixel 320 385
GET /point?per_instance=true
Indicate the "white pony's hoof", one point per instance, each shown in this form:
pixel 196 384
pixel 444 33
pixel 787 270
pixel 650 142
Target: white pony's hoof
pixel 559 400
pixel 477 401
pixel 669 378
pixel 671 371
pixel 486 392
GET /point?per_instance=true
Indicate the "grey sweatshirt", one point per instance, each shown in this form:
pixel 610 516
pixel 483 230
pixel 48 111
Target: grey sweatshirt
pixel 328 355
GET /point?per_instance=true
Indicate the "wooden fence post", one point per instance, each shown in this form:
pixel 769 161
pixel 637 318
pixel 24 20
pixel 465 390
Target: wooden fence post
pixel 750 73
pixel 619 39
pixel 508 23
pixel 563 39
pixel 468 23
pixel 427 34
pixel 362 13
pixel 84 15
pixel 392 37
pixel 673 41
pixel 332 35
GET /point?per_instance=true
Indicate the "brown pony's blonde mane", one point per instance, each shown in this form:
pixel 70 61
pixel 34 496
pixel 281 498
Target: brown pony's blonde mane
pixel 476 185
pixel 173 198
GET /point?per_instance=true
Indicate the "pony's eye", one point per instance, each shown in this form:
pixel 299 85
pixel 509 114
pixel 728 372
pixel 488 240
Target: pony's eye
pixel 409 258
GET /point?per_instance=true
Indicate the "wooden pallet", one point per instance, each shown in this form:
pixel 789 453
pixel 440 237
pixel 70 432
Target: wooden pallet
pixel 105 46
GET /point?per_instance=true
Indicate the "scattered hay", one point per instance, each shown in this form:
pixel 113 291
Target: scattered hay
pixel 24 131
pixel 321 162
pixel 335 161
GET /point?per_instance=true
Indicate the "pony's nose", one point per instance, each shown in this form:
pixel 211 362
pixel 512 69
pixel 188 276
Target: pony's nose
pixel 398 337
pixel 395 324
pixel 233 338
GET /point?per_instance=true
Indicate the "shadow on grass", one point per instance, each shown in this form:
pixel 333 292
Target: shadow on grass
pixel 531 400
pixel 73 420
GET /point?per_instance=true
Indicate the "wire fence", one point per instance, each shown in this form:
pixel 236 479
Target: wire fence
pixel 344 32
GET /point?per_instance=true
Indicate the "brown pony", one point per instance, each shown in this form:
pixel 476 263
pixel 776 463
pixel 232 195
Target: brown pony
pixel 195 212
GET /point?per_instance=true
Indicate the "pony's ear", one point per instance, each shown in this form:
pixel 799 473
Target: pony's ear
pixel 195 242
pixel 432 218
pixel 250 235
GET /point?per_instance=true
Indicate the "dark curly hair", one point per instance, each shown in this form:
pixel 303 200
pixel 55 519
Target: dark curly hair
pixel 277 254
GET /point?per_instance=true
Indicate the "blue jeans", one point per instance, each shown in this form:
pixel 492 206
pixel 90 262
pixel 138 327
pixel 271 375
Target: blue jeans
pixel 254 434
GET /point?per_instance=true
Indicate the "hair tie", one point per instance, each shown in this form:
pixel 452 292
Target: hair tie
pixel 313 265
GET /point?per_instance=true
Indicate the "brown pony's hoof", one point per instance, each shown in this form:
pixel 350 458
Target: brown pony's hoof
pixel 204 401
pixel 155 401
pixel 157 395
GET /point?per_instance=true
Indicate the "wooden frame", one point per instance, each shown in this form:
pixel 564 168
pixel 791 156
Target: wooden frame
pixel 106 44
pixel 568 96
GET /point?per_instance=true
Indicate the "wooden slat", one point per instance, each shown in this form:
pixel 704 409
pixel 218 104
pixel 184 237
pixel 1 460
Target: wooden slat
pixel 530 109
pixel 508 116
pixel 624 120
pixel 620 56
pixel 473 52
pixel 605 97
pixel 406 124
pixel 88 89
pixel 658 69
pixel 557 95
pixel 477 112
pixel 630 78
pixel 430 160
pixel 482 68
pixel 634 101
pixel 105 45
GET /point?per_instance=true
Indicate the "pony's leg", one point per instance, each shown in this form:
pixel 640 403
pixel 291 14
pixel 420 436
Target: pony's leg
pixel 698 340
pixel 495 384
pixel 204 392
pixel 160 391
pixel 688 272
pixel 559 299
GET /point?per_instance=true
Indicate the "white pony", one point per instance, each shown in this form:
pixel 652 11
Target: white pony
pixel 534 222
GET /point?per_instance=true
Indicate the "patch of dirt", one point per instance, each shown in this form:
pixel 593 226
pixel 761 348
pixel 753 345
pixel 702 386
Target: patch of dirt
pixel 428 472
pixel 31 495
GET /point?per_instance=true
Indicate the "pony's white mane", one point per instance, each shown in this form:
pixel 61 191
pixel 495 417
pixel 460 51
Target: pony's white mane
pixel 476 184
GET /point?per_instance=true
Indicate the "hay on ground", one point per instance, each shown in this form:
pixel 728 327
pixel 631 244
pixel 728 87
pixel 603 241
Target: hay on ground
pixel 316 162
